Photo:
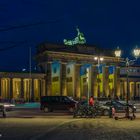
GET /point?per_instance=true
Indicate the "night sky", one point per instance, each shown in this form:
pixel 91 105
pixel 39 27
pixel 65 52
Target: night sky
pixel 26 23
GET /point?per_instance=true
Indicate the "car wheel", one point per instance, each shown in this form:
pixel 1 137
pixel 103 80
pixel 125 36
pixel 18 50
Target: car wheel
pixel 51 110
pixel 134 110
pixel 71 109
pixel 106 113
pixel 46 109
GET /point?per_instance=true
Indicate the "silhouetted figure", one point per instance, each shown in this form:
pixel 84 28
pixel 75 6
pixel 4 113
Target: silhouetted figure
pixel 3 110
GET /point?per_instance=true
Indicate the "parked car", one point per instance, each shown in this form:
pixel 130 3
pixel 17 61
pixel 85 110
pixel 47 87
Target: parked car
pixel 7 106
pixel 103 109
pixel 120 106
pixel 51 103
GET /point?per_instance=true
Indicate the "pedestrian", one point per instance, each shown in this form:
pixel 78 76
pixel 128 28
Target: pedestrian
pixel 13 101
pixel 2 109
pixel 4 112
pixel 113 112
pixel 110 112
pixel 91 101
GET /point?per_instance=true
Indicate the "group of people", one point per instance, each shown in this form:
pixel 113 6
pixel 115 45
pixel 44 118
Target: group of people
pixel 91 102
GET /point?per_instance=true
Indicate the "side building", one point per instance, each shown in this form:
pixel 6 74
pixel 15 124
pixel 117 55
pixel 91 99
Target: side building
pixel 76 71
pixel 133 82
pixel 18 86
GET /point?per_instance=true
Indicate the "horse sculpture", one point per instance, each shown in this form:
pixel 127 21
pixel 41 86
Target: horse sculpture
pixel 79 39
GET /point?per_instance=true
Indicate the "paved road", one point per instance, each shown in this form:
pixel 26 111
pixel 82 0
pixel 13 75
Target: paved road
pixel 67 128
pixel 101 129
pixel 33 113
pixel 33 124
pixel 36 112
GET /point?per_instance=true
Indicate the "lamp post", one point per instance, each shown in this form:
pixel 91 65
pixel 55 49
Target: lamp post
pixel 99 60
pixel 87 75
pixel 30 76
pixel 128 62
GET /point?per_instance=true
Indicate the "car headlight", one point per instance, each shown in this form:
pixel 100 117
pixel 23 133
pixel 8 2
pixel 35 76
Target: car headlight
pixel 6 106
pixel 134 107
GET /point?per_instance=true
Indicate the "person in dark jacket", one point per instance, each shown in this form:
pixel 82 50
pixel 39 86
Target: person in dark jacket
pixel 2 109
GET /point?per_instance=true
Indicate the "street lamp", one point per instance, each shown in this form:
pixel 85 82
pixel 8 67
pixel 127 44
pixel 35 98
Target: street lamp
pixel 128 62
pixel 87 76
pixel 118 52
pixel 99 60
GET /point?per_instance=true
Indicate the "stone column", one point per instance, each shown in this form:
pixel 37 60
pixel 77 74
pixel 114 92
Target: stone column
pixel 117 82
pixel 22 88
pixel 11 88
pixel 77 81
pixel 92 84
pixel 63 85
pixel 49 78
pixel 43 87
pixel 106 81
pixel 134 90
pixel 95 84
pixel 0 87
pixel 137 90
pixel 32 89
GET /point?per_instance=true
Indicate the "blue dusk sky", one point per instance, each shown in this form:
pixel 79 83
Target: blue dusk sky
pixel 26 23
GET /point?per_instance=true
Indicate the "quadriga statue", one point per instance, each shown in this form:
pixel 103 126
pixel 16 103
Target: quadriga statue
pixel 79 39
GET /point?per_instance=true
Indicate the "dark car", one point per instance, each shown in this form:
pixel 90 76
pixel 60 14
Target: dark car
pixel 120 106
pixel 104 109
pixel 51 103
pixel 7 104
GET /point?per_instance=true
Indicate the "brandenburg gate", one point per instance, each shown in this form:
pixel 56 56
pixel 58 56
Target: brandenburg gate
pixel 79 69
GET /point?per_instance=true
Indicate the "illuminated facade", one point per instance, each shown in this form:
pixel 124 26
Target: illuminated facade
pixel 21 86
pixel 66 70
pixel 134 82
pixel 72 71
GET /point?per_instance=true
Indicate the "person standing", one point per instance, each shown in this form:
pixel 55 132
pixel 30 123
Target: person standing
pixel 91 101
pixel 4 112
pixel 2 109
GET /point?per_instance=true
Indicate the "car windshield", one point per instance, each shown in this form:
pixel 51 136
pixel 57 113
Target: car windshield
pixel 117 103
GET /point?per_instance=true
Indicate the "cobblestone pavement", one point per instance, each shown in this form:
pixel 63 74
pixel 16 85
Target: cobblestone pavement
pixel 67 128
